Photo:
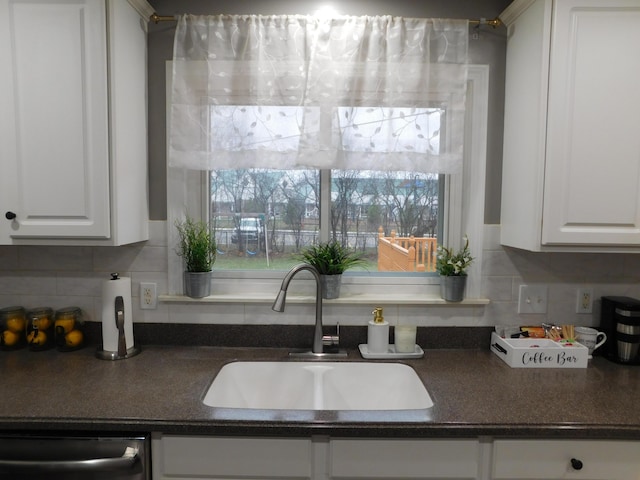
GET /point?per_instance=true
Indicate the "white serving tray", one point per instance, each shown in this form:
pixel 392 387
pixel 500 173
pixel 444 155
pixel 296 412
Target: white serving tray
pixel 389 354
pixel 539 352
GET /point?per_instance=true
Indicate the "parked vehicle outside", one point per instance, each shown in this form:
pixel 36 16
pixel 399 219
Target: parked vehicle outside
pixel 250 232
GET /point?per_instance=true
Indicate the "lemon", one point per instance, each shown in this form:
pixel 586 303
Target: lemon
pixel 37 337
pixel 9 338
pixel 73 338
pixel 65 323
pixel 16 324
pixel 42 323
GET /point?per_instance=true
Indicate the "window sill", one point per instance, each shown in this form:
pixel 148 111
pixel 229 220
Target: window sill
pixel 353 299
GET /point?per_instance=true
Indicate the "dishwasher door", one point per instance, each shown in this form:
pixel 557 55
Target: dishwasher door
pixel 37 457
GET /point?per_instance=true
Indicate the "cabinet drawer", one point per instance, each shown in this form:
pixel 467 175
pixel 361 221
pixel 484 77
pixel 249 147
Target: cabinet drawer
pixel 543 459
pixel 220 457
pixel 371 458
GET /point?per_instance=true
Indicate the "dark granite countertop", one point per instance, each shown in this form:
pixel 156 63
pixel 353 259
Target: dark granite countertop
pixel 161 389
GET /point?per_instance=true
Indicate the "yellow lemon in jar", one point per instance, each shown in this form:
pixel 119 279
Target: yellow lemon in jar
pixel 73 338
pixel 37 337
pixel 65 323
pixel 16 324
pixel 42 323
pixel 9 338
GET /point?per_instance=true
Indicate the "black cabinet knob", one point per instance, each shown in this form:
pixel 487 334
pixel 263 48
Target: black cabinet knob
pixel 10 215
pixel 576 464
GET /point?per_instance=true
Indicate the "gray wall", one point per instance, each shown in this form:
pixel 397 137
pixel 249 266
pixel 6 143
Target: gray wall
pixel 487 47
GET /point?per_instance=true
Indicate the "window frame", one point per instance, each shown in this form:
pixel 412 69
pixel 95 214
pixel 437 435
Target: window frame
pixel 188 190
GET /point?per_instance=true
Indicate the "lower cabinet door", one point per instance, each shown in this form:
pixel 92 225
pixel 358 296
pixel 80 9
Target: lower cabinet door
pixel 404 459
pixel 178 457
pixel 566 459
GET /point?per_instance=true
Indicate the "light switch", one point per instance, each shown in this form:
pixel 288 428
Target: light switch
pixel 532 299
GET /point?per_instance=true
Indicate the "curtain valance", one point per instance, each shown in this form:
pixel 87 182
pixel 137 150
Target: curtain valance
pixel 366 93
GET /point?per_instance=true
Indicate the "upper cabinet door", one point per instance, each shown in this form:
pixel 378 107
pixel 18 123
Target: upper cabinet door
pixel 592 172
pixel 54 142
pixel 571 157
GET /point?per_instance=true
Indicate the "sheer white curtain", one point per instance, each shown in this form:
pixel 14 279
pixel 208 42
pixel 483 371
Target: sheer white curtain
pixel 366 93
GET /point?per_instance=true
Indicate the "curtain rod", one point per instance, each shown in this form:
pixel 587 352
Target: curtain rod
pixel 496 22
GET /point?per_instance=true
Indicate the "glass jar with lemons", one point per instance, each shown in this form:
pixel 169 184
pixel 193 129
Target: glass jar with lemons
pixel 13 323
pixel 40 328
pixel 69 329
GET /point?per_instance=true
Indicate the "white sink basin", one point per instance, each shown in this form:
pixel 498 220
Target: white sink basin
pixel 318 386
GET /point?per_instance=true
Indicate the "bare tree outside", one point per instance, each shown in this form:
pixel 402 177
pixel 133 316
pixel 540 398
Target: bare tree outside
pixel 344 188
pixel 266 193
pixel 294 212
pixel 284 205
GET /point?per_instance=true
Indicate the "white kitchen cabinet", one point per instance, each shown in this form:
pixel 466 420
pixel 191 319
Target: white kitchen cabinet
pixel 176 457
pixel 571 161
pixel 179 457
pixel 405 459
pixel 73 132
pixel 552 460
pixel 184 457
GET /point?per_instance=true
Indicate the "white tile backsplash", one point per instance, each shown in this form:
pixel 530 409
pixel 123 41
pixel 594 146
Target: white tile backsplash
pixel 79 283
pixel 497 288
pixel 201 313
pixel 28 283
pixel 55 259
pixel 63 276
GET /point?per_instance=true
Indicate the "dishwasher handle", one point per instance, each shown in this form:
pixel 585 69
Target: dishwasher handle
pixel 122 463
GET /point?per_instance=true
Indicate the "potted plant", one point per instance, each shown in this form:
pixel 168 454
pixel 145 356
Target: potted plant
pixel 452 267
pixel 197 245
pixel 331 259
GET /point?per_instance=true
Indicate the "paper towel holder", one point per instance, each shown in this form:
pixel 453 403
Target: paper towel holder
pixel 105 355
pixel 119 313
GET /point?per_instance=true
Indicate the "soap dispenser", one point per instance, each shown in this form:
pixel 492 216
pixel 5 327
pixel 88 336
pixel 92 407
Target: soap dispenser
pixel 378 333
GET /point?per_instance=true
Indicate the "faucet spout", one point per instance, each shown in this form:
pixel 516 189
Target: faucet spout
pixel 278 304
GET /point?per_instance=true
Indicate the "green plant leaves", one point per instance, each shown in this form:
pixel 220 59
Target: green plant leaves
pixel 331 258
pixel 197 245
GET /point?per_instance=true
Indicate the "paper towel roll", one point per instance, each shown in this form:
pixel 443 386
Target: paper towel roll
pixel 117 286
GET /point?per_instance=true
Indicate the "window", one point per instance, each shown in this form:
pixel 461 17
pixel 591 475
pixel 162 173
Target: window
pixel 286 207
pixel 362 205
pixel 263 218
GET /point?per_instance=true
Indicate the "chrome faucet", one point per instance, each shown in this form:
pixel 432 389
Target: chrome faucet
pixel 319 340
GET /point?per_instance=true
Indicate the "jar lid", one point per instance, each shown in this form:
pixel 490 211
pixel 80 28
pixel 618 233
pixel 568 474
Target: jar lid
pixel 11 311
pixel 68 312
pixel 40 312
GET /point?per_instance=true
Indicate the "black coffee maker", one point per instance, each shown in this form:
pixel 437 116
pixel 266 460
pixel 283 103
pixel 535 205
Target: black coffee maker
pixel 620 320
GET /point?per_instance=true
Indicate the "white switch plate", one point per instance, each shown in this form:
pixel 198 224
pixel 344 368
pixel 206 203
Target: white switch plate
pixel 532 299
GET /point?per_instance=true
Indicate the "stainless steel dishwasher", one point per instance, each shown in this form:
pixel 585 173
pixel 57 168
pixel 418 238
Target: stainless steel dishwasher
pixel 74 457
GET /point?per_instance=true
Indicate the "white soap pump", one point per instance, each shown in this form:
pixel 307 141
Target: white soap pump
pixel 378 333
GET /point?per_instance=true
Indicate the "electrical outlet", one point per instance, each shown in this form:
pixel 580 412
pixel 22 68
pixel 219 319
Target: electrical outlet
pixel 532 299
pixel 584 300
pixel 148 296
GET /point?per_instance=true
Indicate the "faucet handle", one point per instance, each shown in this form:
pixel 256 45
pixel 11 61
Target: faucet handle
pixel 332 340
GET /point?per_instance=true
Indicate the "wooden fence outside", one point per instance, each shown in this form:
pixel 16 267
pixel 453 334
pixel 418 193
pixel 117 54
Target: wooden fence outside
pixel 406 254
